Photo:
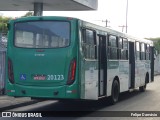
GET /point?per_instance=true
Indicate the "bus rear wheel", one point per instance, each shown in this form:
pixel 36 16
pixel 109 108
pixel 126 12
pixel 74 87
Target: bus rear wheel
pixel 143 88
pixel 115 92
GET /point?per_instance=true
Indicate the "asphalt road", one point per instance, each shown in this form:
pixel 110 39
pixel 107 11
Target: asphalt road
pixel 129 101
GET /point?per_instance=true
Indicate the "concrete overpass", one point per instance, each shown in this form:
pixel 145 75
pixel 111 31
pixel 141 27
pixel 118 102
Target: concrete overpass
pixel 38 6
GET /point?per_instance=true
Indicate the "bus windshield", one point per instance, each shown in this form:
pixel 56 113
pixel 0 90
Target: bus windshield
pixel 42 34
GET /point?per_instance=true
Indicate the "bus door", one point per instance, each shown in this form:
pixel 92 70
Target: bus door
pixel 102 66
pixel 152 63
pixel 132 64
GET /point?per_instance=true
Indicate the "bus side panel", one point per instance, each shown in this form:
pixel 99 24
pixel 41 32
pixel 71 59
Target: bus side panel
pixel 118 69
pixel 88 70
pixel 124 75
pixel 10 88
pixel 73 91
pixel 91 80
pixel 112 71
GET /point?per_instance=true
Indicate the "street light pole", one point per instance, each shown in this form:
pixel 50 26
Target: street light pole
pixel 126 15
pixel 38 9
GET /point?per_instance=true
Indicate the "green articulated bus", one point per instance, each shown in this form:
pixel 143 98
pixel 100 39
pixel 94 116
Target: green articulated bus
pixel 68 58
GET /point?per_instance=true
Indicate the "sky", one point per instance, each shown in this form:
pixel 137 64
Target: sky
pixel 143 16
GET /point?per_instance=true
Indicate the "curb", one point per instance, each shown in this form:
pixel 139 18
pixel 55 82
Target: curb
pixel 157 74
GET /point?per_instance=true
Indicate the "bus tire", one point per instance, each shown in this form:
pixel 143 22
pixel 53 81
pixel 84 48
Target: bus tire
pixel 143 88
pixel 115 92
pixel 2 91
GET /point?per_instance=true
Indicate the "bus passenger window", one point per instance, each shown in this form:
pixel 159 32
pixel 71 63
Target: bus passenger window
pixel 124 50
pixel 88 44
pixel 120 43
pixel 113 47
pixel 137 51
pixel 89 37
pixel 147 52
pixel 120 46
pixel 125 44
pixel 124 54
pixel 142 51
pixel 113 41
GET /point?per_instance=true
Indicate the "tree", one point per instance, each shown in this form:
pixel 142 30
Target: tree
pixel 156 42
pixel 3 24
pixel 30 13
pixel 5 20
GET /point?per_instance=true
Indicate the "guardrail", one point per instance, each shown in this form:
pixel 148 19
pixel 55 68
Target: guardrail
pixel 2 68
pixel 157 65
pixel 3 49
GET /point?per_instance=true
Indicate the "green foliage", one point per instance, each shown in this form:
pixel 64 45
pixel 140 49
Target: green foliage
pixel 30 13
pixel 5 20
pixel 156 42
pixel 3 24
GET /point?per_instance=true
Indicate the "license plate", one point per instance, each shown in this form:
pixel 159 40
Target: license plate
pixel 39 77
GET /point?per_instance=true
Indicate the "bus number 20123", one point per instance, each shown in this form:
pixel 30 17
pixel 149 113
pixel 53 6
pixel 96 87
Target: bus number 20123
pixel 55 77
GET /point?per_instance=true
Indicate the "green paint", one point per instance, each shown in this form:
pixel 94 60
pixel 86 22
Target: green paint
pixel 53 63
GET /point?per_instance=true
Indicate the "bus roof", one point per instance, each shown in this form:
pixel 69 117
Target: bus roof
pixel 104 30
pixel 99 29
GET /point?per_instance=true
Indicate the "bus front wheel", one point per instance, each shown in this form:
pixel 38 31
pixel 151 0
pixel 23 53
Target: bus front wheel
pixel 115 92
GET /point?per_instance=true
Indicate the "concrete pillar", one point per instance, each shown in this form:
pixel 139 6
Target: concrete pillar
pixel 38 9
